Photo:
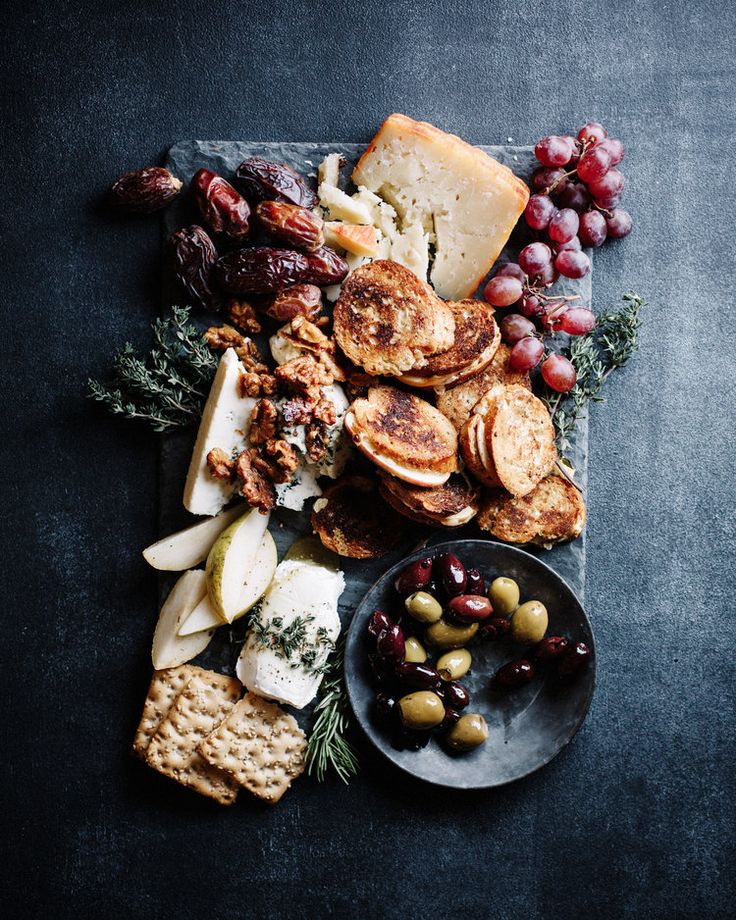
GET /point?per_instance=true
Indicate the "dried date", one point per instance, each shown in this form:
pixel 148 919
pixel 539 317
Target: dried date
pixel 261 270
pixel 298 227
pixel 263 180
pixel 298 300
pixel 224 208
pixel 193 257
pixel 145 190
pixel 325 266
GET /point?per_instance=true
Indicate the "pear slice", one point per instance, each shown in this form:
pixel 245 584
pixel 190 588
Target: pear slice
pixel 257 579
pixel 187 548
pixel 232 555
pixel 169 649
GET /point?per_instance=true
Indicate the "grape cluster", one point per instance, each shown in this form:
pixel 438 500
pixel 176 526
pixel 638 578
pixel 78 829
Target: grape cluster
pixel 517 286
pixel 576 201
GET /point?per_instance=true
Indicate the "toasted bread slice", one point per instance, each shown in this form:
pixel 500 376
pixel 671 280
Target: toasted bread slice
pixel 474 451
pixel 520 438
pixel 404 435
pixel 457 403
pixel 553 512
pixel 352 520
pixel 450 505
pixel 388 321
pixel 477 337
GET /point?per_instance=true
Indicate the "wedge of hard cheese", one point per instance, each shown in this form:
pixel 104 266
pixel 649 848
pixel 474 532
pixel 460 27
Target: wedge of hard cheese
pixel 225 424
pixel 440 184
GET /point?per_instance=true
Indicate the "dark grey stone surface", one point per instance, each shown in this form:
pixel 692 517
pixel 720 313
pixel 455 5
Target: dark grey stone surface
pixel 636 817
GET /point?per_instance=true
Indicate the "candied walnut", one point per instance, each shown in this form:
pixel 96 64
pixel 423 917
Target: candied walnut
pixel 253 384
pixel 297 411
pixel 284 459
pixel 263 422
pixel 242 314
pixel 315 439
pixel 325 411
pixel 305 334
pixel 256 488
pixel 220 464
pixel 220 338
pixel 305 375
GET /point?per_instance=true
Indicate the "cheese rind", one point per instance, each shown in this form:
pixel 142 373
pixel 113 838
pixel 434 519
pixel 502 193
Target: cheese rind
pixel 442 184
pixel 225 423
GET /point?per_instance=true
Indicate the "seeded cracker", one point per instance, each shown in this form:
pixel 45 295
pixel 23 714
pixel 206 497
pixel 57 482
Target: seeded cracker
pixel 200 707
pixel 259 745
pixel 164 688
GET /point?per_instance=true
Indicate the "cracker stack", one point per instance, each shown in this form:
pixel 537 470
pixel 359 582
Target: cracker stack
pixel 194 730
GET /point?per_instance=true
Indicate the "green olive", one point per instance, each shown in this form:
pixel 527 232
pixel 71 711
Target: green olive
pixel 529 622
pixel 423 607
pixel 444 634
pixel 470 731
pixel 504 595
pixel 455 664
pixel 421 710
pixel 414 651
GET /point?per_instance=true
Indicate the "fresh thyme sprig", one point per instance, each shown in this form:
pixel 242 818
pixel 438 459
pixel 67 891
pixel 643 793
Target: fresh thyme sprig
pixel 294 642
pixel 328 745
pixel 596 355
pixel 166 388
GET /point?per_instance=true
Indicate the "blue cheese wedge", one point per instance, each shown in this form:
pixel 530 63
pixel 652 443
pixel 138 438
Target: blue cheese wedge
pixel 225 423
pixel 293 633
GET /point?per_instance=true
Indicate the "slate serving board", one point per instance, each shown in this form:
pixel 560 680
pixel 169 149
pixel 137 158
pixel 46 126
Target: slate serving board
pixel 183 160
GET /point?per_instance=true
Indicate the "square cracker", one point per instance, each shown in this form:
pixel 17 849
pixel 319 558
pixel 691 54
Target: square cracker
pixel 165 686
pixel 260 745
pixel 198 709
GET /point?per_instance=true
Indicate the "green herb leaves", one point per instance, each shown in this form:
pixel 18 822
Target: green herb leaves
pixel 294 642
pixel 607 347
pixel 166 388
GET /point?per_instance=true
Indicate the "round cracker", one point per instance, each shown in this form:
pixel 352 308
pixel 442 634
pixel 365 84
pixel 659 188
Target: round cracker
pixel 553 512
pixel 520 438
pixel 469 440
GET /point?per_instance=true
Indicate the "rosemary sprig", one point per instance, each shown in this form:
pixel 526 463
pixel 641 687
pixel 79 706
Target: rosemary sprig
pixel 328 745
pixel 596 355
pixel 166 388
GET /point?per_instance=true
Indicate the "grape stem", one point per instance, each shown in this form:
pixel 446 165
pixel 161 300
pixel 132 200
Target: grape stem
pixel 573 172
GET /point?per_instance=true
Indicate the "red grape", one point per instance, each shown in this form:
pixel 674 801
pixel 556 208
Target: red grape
pixel 547 275
pixel 534 257
pixel 510 270
pixel 608 203
pixel 576 196
pixel 575 148
pixel 526 354
pixel 503 291
pixel 515 327
pixel 615 149
pixel 594 164
pixel 531 305
pixel 553 315
pixel 558 373
pixel 593 131
pixel 572 264
pixel 619 224
pixel 592 229
pixel 539 212
pixel 544 177
pixel 577 321
pixel 564 225
pixel 553 150
pixel 607 186
pixel 574 243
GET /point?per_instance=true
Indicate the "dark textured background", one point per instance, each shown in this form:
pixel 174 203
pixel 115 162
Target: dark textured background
pixel 636 818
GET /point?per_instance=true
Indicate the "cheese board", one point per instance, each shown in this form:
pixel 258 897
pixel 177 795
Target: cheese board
pixel 184 159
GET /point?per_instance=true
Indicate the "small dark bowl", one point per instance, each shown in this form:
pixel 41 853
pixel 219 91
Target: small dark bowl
pixel 528 726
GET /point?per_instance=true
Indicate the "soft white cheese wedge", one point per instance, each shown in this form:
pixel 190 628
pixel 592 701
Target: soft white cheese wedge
pixel 225 423
pixel 299 589
pixel 303 486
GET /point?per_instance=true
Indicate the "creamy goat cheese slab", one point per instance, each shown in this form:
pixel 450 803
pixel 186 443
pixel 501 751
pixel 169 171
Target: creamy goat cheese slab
pixel 225 424
pixel 300 603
